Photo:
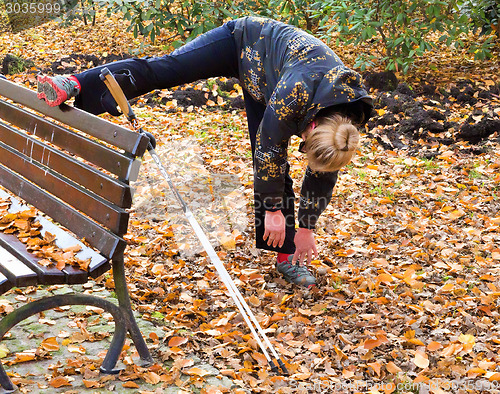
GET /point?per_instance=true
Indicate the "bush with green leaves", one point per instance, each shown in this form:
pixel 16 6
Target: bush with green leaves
pixel 187 19
pixel 484 15
pixel 78 9
pixel 398 30
pixel 301 13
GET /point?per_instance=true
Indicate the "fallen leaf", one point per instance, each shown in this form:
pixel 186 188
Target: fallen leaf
pixel 197 371
pixel 421 360
pixel 433 346
pixel 130 385
pixel 60 381
pixel 393 368
pixel 177 341
pixel 50 344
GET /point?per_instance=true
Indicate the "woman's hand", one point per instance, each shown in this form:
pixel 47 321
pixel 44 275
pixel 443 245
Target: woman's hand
pixel 305 245
pixel 274 228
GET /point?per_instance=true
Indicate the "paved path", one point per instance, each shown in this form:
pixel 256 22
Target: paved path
pixel 83 345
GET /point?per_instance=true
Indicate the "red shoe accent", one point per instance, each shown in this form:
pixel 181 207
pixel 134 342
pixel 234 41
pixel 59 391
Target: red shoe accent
pixel 72 77
pixel 283 257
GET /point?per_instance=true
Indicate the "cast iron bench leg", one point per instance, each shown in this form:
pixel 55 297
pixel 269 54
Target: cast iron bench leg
pixel 124 302
pixel 48 303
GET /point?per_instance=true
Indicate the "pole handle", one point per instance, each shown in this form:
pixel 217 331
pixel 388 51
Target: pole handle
pixel 117 93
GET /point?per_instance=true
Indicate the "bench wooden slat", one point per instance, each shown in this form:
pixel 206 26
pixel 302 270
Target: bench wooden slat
pixel 5 284
pixel 107 158
pixel 98 237
pixel 101 211
pixel 48 275
pixel 98 263
pixel 17 272
pixel 123 138
pixel 105 186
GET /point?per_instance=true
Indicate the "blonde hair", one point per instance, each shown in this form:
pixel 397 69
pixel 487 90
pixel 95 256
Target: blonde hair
pixel 332 143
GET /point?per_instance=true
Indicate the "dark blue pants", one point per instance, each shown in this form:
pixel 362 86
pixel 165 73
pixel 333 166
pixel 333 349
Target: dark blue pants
pixel 212 54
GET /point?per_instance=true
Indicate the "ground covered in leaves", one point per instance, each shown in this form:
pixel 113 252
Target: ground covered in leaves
pixel 408 295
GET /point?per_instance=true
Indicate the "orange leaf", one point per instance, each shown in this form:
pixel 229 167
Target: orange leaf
pixel 457 213
pixel 228 372
pixel 50 344
pixel 477 371
pixel 197 371
pixel 76 349
pixel 130 385
pixel 433 346
pixel 393 368
pixel 153 336
pixel 308 312
pixel 301 376
pixel 59 382
pixel 375 366
pixel 385 278
pixel 372 343
pixel 92 384
pixel 494 377
pixel 389 388
pixel 277 316
pixel 177 341
pixel 446 288
pixel 45 262
pixel 300 319
pixel 468 341
pixel 347 373
pixel 27 355
pixel 260 358
pixel 421 359
pixel 254 301
pixel 151 377
pixel 450 350
pixel 228 242
pixel 183 363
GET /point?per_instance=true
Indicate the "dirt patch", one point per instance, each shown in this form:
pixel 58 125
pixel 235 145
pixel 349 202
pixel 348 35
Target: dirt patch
pixel 383 81
pixel 422 118
pixel 78 62
pixel 12 64
pixel 219 93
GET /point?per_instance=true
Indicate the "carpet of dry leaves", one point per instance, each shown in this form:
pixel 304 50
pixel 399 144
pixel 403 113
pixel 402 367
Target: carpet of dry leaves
pixel 409 291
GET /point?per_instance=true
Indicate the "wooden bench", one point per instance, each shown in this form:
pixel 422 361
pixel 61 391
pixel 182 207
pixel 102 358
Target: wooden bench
pixel 75 168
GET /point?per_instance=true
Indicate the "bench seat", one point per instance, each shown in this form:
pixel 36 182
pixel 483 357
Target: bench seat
pixel 75 169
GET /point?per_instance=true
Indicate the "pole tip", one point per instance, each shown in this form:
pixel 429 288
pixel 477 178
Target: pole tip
pixel 283 367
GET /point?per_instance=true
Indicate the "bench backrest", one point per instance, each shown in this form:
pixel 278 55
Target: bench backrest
pixel 73 166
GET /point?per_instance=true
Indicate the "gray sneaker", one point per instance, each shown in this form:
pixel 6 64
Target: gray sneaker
pixel 294 273
pixel 56 90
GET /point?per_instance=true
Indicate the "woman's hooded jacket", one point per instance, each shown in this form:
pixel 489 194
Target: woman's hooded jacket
pixel 295 75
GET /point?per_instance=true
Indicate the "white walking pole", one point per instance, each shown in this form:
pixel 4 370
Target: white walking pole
pixel 235 294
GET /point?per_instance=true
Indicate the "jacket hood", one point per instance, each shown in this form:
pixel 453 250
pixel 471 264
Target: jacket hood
pixel 338 86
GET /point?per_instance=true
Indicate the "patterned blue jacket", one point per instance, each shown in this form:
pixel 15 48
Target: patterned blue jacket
pixel 295 75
